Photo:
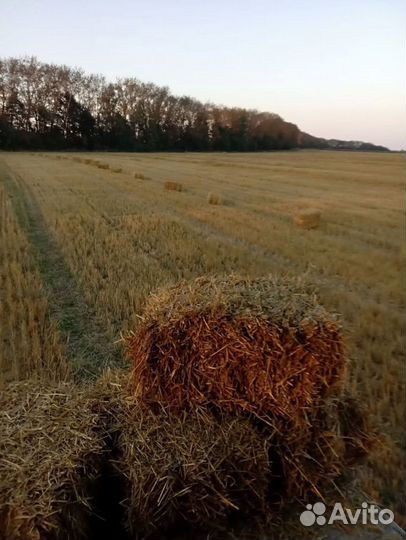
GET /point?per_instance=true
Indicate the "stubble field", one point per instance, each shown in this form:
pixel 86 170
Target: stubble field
pixel 86 237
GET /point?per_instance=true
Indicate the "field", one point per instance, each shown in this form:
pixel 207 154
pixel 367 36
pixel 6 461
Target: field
pixel 86 237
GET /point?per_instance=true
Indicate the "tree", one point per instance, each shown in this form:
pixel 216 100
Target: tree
pixel 50 106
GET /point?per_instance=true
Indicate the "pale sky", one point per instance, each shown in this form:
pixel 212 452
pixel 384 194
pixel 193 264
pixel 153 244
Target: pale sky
pixel 334 67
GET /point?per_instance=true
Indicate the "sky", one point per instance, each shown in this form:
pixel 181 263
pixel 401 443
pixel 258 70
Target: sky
pixel 336 68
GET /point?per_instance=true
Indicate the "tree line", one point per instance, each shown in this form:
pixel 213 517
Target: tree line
pixel 55 107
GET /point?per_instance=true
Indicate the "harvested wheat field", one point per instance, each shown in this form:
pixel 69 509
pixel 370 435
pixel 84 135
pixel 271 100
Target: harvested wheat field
pixel 98 268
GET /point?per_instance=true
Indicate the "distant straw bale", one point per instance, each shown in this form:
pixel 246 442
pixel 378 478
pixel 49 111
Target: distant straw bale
pixel 49 449
pixel 263 346
pixel 173 186
pixel 94 162
pixel 308 219
pixel 103 166
pixel 214 198
pixel 139 176
pixel 116 169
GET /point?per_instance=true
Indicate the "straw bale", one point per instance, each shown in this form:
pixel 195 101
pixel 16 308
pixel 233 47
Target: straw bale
pixel 173 186
pixel 263 351
pixel 308 219
pixel 49 448
pixel 262 346
pixel 318 459
pixel 73 458
pixel 214 198
pixel 186 469
pixel 207 471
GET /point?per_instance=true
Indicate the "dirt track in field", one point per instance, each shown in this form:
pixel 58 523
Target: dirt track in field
pixel 87 346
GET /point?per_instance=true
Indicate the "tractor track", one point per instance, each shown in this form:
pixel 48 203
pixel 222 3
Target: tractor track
pixel 88 348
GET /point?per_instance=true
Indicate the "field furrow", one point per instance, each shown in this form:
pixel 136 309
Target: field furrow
pixel 86 345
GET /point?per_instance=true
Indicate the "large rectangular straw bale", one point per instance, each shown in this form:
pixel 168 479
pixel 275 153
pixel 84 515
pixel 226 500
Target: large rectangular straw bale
pixel 263 346
pixel 263 351
pixel 49 446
